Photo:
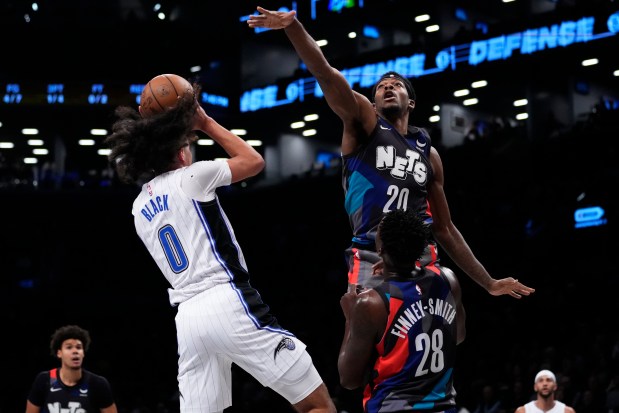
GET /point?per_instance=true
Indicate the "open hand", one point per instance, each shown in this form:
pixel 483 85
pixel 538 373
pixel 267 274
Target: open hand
pixel 271 19
pixel 510 286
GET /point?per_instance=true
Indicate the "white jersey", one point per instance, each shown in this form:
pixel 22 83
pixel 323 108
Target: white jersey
pixel 530 407
pixel 220 319
pixel 178 217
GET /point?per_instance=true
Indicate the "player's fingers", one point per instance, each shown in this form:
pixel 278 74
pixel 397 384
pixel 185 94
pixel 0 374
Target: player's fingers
pixel 256 19
pixel 529 289
pixel 523 289
pixel 256 23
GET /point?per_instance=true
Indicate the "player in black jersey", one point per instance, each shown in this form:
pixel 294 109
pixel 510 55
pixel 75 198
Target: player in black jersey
pixel 401 336
pixel 387 164
pixel 70 388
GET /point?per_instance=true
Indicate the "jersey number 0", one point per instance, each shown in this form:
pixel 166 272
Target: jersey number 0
pixel 173 249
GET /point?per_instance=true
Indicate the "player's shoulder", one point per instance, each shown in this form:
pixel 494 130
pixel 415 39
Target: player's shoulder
pixel 450 277
pixel 209 163
pixel 368 298
pixel 447 272
pixel 421 138
pixel 90 375
pixel 370 308
pixel 369 301
pixel 41 381
pixel 361 96
pixel 419 131
pixel 94 378
pixel 42 375
pixel 206 171
pixel 206 167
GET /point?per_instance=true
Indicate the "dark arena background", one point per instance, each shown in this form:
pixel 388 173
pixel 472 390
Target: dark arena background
pixel 520 97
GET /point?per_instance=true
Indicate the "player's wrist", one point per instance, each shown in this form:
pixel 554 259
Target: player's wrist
pixel 490 284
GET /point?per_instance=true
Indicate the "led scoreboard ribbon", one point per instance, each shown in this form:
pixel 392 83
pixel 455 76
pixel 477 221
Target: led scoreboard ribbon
pixel 68 94
pixel 526 42
pixel 95 94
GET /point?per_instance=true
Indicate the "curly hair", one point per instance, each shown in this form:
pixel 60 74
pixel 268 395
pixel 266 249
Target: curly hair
pixel 142 148
pixel 404 236
pixel 66 333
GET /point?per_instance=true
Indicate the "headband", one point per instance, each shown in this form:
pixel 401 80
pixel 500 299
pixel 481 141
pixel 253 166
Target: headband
pixel 548 373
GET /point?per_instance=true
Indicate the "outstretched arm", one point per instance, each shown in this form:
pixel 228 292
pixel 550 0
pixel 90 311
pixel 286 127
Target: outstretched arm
pixel 352 107
pixel 334 85
pixel 452 241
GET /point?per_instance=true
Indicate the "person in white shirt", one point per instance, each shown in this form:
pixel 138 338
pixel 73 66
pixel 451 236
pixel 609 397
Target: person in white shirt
pixel 221 318
pixel 545 386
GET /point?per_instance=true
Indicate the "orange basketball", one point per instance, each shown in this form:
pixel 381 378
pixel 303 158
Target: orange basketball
pixel 162 92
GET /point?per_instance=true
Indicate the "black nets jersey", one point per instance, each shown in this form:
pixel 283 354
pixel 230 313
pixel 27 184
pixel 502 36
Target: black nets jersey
pixel 416 356
pixel 91 394
pixel 390 172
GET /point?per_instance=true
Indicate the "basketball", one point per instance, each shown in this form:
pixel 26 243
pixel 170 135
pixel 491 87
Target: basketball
pixel 162 92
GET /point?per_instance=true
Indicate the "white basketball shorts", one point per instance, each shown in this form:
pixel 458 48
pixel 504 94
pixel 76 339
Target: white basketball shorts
pixel 216 328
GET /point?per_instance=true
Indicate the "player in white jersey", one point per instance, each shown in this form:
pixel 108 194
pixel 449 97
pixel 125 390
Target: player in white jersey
pixel 221 319
pixel 545 386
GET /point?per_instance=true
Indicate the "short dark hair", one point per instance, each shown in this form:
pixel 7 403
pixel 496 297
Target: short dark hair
pixel 66 333
pixel 404 236
pixel 407 84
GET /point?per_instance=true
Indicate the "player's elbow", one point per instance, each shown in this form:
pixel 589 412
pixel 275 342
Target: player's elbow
pixel 243 167
pixel 461 336
pixel 441 232
pixel 349 379
pixel 461 323
pixel 256 165
pixel 349 383
pixel 252 165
